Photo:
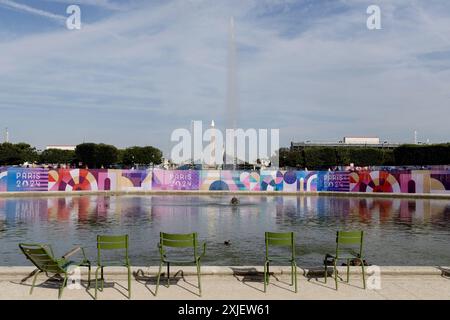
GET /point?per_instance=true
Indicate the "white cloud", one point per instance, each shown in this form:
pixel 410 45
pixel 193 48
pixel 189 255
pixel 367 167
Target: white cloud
pixel 136 76
pixel 107 4
pixel 25 8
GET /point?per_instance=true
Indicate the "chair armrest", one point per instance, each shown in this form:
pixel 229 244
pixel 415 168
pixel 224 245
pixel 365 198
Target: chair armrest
pixel 71 252
pixel 74 251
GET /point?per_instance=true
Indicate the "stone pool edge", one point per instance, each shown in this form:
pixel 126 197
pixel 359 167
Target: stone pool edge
pixel 220 193
pixel 19 272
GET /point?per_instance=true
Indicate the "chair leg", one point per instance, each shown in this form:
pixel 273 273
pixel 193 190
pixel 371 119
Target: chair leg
pixel 295 278
pixel 89 276
pixel 265 276
pixel 292 274
pixel 34 281
pixel 326 270
pixel 268 272
pixel 61 289
pixel 348 270
pixel 363 273
pixel 198 276
pixel 102 280
pixel 129 282
pixel 96 282
pixel 168 274
pixel 335 274
pixel 158 277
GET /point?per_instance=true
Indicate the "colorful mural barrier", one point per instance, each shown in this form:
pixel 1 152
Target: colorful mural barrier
pixel 24 179
pixel 175 180
pixel 3 179
pixel 15 179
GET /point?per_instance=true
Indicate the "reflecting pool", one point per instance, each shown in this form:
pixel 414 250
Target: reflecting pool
pixel 398 231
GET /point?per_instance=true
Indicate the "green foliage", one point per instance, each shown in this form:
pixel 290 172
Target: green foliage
pixel 86 154
pixel 96 155
pixel 388 157
pixel 436 154
pixel 293 159
pixel 365 156
pixel 106 155
pixel 14 154
pixel 56 156
pixel 141 155
pixel 319 157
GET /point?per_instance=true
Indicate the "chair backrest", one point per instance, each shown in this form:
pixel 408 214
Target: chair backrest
pixel 349 241
pixel 41 255
pixel 179 240
pixel 112 242
pixel 280 239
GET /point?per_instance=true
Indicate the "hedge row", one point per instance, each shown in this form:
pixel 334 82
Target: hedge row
pixel 325 157
pixel 435 154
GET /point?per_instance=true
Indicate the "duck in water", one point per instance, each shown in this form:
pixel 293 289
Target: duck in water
pixel 234 201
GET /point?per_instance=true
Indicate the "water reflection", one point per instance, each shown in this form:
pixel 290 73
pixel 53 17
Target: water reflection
pixel 395 228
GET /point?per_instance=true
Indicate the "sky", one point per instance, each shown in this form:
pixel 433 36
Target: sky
pixel 139 69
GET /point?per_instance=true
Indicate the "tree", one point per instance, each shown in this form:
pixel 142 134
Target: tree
pixel 27 152
pixel 86 154
pixel 57 156
pixel 106 155
pixel 141 155
pixel 153 154
pixel 319 157
pixel 366 156
pixel 96 155
pixel 293 159
pixel 413 154
pixel 14 154
pixel 9 155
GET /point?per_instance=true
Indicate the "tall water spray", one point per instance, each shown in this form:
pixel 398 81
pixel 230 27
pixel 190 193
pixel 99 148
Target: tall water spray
pixel 232 105
pixel 232 98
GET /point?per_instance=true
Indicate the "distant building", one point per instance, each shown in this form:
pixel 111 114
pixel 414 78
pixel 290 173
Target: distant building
pixel 361 140
pixel 61 147
pixel 372 142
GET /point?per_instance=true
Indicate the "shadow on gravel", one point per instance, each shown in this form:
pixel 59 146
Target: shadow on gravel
pixel 251 275
pixel 146 279
pixel 317 272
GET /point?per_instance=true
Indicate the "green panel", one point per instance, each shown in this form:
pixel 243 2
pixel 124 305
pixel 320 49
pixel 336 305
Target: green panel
pixel 349 237
pixel 279 242
pixel 121 238
pixel 178 244
pixel 111 245
pixel 178 236
pixel 349 233
pixel 347 240
pixel 41 259
pixel 279 235
pixel 54 269
pixel 41 251
pixel 32 245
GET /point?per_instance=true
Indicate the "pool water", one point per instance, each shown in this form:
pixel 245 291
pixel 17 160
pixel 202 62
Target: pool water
pixel 398 231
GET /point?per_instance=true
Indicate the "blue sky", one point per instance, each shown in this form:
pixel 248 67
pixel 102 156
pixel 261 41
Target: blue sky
pixel 139 69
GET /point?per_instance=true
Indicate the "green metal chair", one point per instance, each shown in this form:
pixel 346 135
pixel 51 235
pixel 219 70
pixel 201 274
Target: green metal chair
pixel 41 255
pixel 188 240
pixel 285 239
pixel 108 242
pixel 349 246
